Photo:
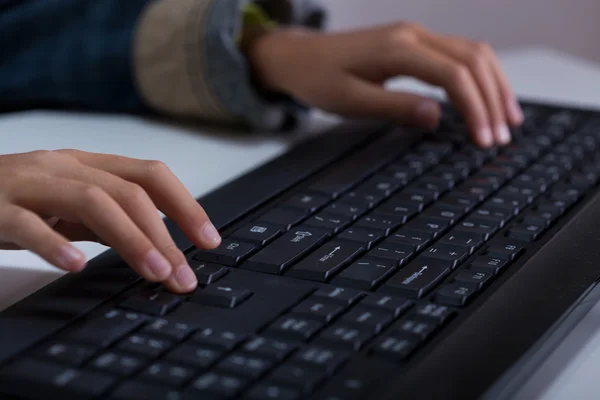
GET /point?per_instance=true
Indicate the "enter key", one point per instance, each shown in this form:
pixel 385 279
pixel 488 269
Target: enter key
pixel 417 278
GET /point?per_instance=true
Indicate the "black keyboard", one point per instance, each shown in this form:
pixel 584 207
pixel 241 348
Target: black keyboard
pixel 340 284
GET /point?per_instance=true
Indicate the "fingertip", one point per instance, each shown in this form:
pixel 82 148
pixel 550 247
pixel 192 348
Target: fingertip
pixel 156 267
pixel 484 137
pixel 515 112
pixel 428 114
pixel 70 259
pixel 183 280
pixel 210 237
pixel 502 135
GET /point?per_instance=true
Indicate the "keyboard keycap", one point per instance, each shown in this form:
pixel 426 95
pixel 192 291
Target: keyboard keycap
pixel 294 328
pixel 448 212
pixel 419 329
pixel 151 302
pixel 345 337
pixel 365 273
pixel 478 226
pixel 469 241
pixel 143 390
pixel 268 348
pixel 145 346
pixel 321 359
pixel 271 392
pixel 167 374
pixel 364 236
pixel 526 232
pixel 488 265
pixel 247 366
pixel 375 221
pixel 474 279
pixel 319 310
pixel 66 353
pixel 396 347
pixel 286 250
pixel 106 329
pixel 364 197
pixel 499 215
pixel 325 262
pixel 428 225
pixel 418 240
pixel 221 385
pixel 208 273
pixel 400 253
pixel 400 211
pixel 435 313
pixel 367 318
pixel 298 377
pixel 225 340
pixel 258 233
pixel 221 296
pixel 282 217
pixel 231 252
pixel 417 278
pixel 342 296
pixel 343 209
pixel 455 294
pixel 393 304
pixel 118 364
pixel 306 202
pixel 170 329
pixel 452 254
pixel 506 251
pixel 329 222
pixel 196 356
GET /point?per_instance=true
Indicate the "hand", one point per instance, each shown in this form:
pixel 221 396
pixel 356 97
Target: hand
pixel 344 73
pixel 48 198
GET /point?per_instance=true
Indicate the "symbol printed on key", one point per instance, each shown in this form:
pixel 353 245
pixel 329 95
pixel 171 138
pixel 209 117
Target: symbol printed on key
pixel 233 246
pixel 258 229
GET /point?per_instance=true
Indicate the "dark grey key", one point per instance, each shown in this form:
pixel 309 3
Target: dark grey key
pixel 527 192
pixel 247 366
pixel 478 226
pixel 329 222
pixel 348 210
pixel 476 280
pixel 459 202
pixel 469 241
pixel 345 337
pixel 306 202
pixel 447 212
pixel 44 380
pixel 544 219
pixel 364 197
pixel 313 308
pixel 435 186
pixel 400 253
pixel 479 192
pixel 258 232
pixel 170 329
pixel 499 215
pixel 221 296
pixel 557 207
pixel 221 385
pixel 269 348
pixel 396 347
pixel 417 278
pixel 400 173
pixel 398 210
pixel 320 358
pixel 295 376
pixel 107 328
pixel 421 330
pixel 380 183
pixel 66 353
pixel 366 237
pixel 230 252
pixel 455 294
pixel 326 261
pixel 226 340
pixel 284 217
pixel 151 302
pixel 506 250
pixel 429 225
pixel 197 356
pixel 488 264
pixel 168 374
pixel 294 328
pixel 145 346
pixel 526 232
pixel 452 254
pixel 450 172
pixel 509 202
pixel 367 318
pixel 416 239
pixel 143 390
pixel 365 273
pixel 117 363
pixel 419 194
pixel 431 312
pixel 208 273
pixel 286 250
pixel 271 392
pixel 342 296
pixel 394 304
pixel 383 222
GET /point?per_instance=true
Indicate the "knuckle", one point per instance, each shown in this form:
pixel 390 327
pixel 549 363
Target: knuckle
pixel 16 220
pixel 458 74
pixel 155 167
pixel 404 33
pixel 134 192
pixel 91 194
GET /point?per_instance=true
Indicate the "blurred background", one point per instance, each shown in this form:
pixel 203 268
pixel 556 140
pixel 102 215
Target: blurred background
pixel 566 25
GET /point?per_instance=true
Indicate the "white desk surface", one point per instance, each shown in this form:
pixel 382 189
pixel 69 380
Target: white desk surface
pixel 204 158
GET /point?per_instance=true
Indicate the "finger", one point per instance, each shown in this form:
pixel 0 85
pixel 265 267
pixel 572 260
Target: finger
pixel 420 61
pixel 511 104
pixel 24 229
pixel 166 191
pixel 76 232
pixel 479 59
pixel 88 204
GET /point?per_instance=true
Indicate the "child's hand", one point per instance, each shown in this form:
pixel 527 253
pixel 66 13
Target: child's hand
pixel 48 198
pixel 344 73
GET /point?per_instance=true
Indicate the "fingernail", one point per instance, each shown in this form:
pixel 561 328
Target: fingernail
pixel 70 258
pixel 158 265
pixel 186 279
pixel 502 134
pixel 211 234
pixel 486 137
pixel 427 112
pixel 515 110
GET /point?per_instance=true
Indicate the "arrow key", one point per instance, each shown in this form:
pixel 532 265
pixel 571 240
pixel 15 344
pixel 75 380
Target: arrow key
pixel 221 296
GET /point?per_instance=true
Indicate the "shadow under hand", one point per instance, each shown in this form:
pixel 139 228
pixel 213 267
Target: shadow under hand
pixel 18 283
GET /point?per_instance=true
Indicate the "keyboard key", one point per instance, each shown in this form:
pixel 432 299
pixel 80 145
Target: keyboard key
pixel 258 233
pixel 326 261
pixel 364 236
pixel 385 223
pixel 268 348
pixel 488 264
pixel 435 313
pixel 393 304
pixel 143 390
pixel 365 273
pixel 306 202
pixel 271 392
pixel 145 346
pixel 418 194
pixel 221 296
pixel 509 202
pixel 469 241
pixel 197 356
pixel 367 318
pixel 167 373
pixel 247 366
pixel 286 250
pixel 478 226
pixel 365 198
pixel 526 232
pixel 452 254
pixel 283 217
pixel 106 329
pixel 455 294
pixel 322 359
pixel 231 252
pixel 225 340
pixel 544 219
pixel 429 225
pixel 417 278
pixel 400 253
pixel 42 379
pixel 151 302
pixel 169 329
pixel 464 203
pixel 343 209
pixel 342 296
pixel 473 278
pixel 505 251
pixel 499 215
pixel 329 222
pixel 319 310
pixel 66 353
pixel 396 347
pixel 380 183
pixel 294 328
pixel 418 329
pixel 208 273
pixel 448 212
pixel 298 377
pixel 416 239
pixel 345 337
pixel 221 385
pixel 118 364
